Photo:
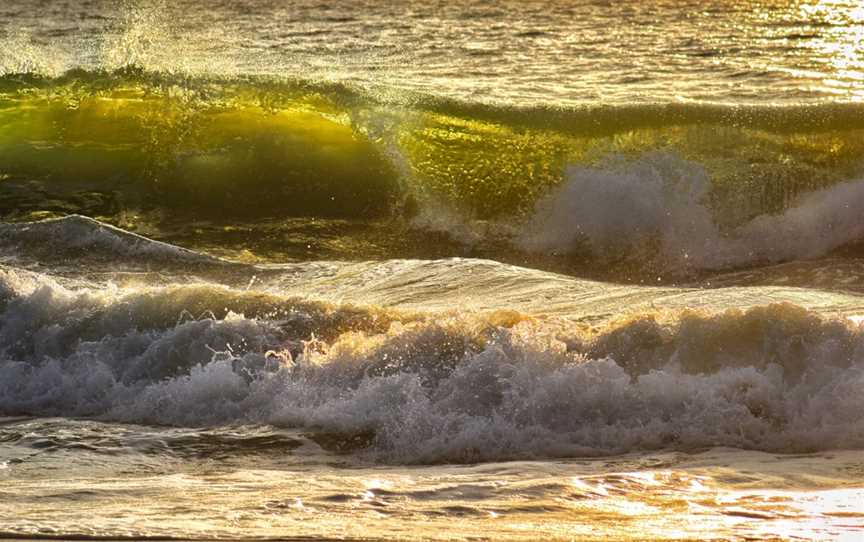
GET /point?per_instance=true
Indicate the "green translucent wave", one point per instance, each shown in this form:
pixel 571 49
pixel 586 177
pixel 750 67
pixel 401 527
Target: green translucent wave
pixel 130 141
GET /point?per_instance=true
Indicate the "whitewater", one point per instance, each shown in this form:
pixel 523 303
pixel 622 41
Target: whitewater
pixel 449 271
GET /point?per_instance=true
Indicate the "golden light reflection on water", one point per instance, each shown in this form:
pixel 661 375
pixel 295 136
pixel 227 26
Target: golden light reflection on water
pixel 840 46
pixel 716 494
pixel 673 504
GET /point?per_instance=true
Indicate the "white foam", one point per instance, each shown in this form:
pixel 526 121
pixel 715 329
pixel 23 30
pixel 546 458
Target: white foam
pixel 654 208
pixel 436 388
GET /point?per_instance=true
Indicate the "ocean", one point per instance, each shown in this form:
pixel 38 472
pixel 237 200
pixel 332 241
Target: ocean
pixel 441 270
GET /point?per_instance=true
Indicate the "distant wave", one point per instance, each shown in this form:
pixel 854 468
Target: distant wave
pixel 440 387
pixel 587 119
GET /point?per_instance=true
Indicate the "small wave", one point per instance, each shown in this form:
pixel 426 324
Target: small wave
pixel 47 435
pixel 84 240
pixel 441 387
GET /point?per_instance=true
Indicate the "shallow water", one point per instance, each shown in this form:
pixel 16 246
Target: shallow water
pixel 448 271
pixel 254 482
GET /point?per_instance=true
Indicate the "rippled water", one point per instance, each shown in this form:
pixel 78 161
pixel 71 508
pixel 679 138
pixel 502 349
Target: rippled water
pixel 201 484
pixel 524 52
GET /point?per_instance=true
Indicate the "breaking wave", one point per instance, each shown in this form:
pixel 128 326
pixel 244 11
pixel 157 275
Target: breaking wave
pixel 656 210
pixel 708 185
pixel 421 388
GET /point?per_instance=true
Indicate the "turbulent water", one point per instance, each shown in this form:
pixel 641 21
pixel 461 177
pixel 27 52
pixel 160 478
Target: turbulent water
pixel 462 270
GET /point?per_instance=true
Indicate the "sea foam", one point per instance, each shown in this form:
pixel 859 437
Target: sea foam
pixel 440 387
pixel 656 209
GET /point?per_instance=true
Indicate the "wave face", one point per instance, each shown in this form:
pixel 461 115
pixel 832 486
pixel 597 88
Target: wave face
pixel 425 387
pixel 125 143
pixel 155 152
